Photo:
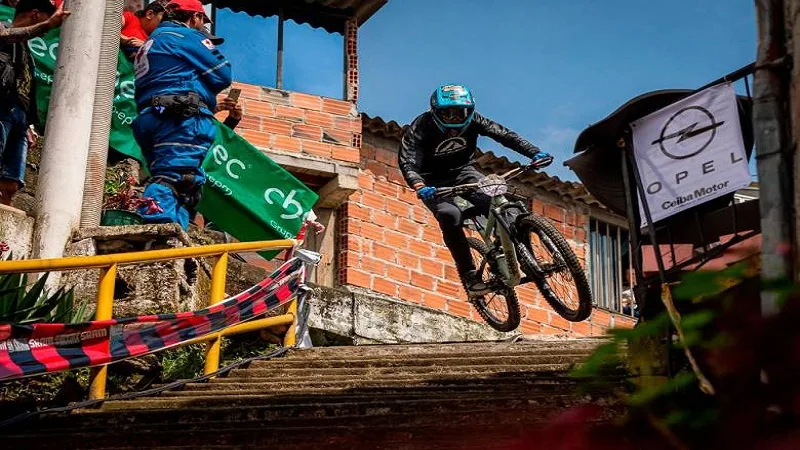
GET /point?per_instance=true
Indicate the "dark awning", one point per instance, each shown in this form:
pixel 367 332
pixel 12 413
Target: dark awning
pixel 598 163
pixel 330 15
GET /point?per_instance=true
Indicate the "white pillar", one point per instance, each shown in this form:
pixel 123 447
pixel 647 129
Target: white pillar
pixel 62 172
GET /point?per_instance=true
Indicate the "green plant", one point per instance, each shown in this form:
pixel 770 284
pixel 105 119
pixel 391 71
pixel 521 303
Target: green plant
pixel 21 304
pixel 186 362
pixel 183 363
pixel 714 397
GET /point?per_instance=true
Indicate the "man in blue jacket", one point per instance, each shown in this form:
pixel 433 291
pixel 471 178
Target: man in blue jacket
pixel 179 73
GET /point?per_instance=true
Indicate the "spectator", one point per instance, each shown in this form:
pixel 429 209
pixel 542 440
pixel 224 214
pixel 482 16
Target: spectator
pixel 136 27
pixel 179 73
pixel 17 89
pixel 629 306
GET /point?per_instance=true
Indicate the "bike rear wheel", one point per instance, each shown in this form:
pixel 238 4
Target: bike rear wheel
pixel 499 308
pixel 564 284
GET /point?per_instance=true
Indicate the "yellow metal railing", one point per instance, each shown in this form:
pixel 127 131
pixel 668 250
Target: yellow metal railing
pixel 105 291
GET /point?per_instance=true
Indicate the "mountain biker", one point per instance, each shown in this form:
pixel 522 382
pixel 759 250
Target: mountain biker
pixel 438 150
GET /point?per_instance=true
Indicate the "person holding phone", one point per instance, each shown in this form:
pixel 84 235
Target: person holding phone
pixel 231 104
pixel 179 73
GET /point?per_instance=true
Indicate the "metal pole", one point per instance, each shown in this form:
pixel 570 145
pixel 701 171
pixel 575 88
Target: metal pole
pixel 105 308
pixel 290 338
pixel 59 193
pixel 733 76
pixel 218 275
pixel 213 16
pixel 651 227
pixel 633 217
pixel 279 74
pixel 101 119
pixel 772 144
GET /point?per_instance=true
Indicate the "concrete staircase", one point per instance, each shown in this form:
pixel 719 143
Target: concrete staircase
pixel 452 396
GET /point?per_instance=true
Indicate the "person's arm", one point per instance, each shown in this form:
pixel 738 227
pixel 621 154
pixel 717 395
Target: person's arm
pixel 231 122
pixel 505 137
pixel 128 40
pixel 234 112
pixel 22 34
pixel 410 155
pixel 214 68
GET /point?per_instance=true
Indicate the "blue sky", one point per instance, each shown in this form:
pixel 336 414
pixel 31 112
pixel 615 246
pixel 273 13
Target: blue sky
pixel 546 69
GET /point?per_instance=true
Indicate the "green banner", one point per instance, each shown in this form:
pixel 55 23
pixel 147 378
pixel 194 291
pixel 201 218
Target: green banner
pixel 248 195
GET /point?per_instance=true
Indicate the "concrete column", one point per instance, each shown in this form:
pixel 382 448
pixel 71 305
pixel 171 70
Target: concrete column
pixel 69 120
pixel 771 127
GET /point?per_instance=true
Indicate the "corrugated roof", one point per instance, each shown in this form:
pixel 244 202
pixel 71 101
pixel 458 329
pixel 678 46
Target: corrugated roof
pixel 490 162
pixel 330 15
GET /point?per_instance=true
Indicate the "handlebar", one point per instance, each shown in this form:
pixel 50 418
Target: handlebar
pixel 511 174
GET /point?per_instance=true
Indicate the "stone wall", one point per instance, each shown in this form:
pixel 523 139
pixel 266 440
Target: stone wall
pixel 16 230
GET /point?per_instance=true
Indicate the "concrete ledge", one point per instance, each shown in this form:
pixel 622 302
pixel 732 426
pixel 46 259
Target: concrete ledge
pixel 365 317
pixel 343 177
pixel 16 230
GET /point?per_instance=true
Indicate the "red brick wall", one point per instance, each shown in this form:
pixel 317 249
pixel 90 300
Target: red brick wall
pixel 299 123
pixel 390 243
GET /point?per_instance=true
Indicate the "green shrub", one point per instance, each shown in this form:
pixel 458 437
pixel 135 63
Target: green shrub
pixel 21 304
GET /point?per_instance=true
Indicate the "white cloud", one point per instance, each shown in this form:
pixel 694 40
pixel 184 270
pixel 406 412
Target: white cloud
pixel 556 139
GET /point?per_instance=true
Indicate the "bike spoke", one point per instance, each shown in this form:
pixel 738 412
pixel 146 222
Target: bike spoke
pixel 558 278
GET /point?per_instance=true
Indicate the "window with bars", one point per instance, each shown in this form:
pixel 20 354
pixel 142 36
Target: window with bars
pixel 608 264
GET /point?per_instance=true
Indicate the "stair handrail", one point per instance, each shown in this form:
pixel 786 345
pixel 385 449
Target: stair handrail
pixel 105 291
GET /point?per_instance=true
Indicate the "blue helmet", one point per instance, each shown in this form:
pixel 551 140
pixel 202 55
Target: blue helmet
pixel 452 106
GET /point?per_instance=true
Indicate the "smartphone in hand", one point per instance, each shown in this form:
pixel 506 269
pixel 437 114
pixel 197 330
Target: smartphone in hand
pixel 234 94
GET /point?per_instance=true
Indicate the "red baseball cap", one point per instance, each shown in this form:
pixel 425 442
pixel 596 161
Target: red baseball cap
pixel 190 6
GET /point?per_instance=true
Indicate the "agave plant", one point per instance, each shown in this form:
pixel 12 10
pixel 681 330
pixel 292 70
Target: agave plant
pixel 22 305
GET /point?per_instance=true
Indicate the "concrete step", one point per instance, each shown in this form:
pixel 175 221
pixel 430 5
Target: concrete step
pixel 452 396
pixel 337 403
pixel 129 426
pixel 458 370
pixel 436 435
pixel 438 377
pixel 376 388
pixel 422 361
pixel 221 398
pixel 384 381
pixel 470 348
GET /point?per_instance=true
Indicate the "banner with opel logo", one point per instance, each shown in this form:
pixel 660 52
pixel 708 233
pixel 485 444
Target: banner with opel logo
pixel 690 152
pixel 248 195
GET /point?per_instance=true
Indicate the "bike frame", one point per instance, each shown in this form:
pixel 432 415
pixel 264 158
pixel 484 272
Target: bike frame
pixel 497 225
pixel 498 229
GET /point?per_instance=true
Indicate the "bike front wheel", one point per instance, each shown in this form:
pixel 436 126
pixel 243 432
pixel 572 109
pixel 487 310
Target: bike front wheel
pixel 499 308
pixel 555 268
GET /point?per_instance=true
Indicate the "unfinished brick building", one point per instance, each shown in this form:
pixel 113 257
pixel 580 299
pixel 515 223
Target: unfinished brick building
pixel 379 235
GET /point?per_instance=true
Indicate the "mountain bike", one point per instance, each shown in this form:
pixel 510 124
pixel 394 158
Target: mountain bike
pixel 516 247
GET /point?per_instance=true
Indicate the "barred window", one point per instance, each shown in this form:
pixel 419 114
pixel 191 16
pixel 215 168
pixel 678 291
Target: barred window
pixel 608 265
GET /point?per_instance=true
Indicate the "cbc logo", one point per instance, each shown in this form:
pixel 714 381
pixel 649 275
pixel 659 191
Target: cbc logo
pixel 235 167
